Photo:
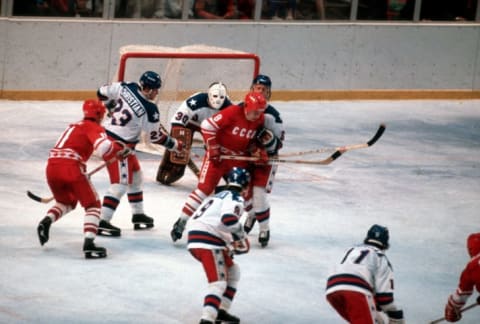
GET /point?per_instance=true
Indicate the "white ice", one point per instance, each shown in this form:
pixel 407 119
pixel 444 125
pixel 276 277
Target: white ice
pixel 421 179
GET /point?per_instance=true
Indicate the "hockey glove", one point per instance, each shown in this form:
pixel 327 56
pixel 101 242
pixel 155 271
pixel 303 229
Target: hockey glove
pixel 213 150
pixel 122 150
pixel 452 310
pixel 261 155
pixel 241 246
pixel 175 145
pixel 268 140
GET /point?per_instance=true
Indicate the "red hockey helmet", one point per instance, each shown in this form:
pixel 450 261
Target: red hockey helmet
pixel 93 108
pixel 254 101
pixel 473 244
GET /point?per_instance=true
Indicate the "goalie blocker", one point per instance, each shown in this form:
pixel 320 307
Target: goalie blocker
pixel 172 166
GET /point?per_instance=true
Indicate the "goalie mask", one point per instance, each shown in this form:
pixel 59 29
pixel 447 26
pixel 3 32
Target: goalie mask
pixel 217 92
pixel 93 109
pixel 378 236
pixel 473 244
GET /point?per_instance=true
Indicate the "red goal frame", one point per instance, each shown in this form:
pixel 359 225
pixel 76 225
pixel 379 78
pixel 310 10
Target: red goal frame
pixel 234 56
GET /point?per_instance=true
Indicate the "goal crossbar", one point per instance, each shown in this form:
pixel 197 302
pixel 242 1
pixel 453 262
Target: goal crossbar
pixel 234 56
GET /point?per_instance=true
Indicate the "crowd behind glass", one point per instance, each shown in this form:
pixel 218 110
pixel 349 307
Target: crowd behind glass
pixel 384 10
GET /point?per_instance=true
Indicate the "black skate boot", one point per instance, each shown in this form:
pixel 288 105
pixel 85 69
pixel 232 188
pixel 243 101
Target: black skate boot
pixel 224 317
pixel 178 229
pixel 43 229
pixel 263 238
pixel 92 251
pixel 141 222
pixel 107 229
pixel 204 321
pixel 249 222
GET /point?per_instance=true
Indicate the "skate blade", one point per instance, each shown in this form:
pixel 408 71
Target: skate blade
pixel 95 255
pixel 142 226
pixel 104 232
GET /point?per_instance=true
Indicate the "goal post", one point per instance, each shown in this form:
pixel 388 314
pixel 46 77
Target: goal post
pixel 187 70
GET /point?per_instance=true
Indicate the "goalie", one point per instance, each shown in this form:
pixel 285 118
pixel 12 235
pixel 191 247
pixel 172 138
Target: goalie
pixel 185 122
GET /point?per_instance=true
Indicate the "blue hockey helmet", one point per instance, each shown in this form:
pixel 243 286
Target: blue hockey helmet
pixel 377 236
pixel 265 81
pixel 262 79
pixel 238 177
pixel 150 80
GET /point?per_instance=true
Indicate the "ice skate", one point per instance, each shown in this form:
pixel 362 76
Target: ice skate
pixel 204 321
pixel 263 238
pixel 224 317
pixel 92 251
pixel 43 229
pixel 142 222
pixel 178 229
pixel 249 223
pixel 107 229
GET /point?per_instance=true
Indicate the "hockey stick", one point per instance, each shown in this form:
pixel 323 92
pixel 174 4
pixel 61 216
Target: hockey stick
pixel 372 141
pixel 42 200
pixel 326 161
pixel 338 152
pixel 461 311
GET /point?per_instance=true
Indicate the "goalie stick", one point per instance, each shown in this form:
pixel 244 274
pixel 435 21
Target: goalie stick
pixel 461 311
pixel 338 151
pixel 42 200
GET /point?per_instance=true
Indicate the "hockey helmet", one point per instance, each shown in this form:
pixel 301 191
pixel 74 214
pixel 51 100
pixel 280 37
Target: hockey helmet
pixel 150 80
pixel 262 79
pixel 93 108
pixel 473 244
pixel 378 236
pixel 238 177
pixel 254 101
pixel 217 92
pixel 266 82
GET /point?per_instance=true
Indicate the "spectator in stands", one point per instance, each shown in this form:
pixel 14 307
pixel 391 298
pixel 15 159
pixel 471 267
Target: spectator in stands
pixel 282 9
pixel 245 9
pixel 215 9
pixel 310 10
pixel 441 10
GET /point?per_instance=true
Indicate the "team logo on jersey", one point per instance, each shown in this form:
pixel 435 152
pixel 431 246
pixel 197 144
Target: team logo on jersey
pixel 243 132
pixel 132 101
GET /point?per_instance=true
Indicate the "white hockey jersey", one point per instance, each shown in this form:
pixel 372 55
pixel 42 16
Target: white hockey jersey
pixel 194 110
pixel 366 269
pixel 215 224
pixel 133 113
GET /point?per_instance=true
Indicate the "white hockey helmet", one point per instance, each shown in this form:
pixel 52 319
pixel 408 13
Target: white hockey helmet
pixel 217 92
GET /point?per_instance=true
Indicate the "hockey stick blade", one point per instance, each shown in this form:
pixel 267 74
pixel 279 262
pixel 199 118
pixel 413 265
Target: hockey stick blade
pixel 33 196
pixel 461 311
pixel 373 140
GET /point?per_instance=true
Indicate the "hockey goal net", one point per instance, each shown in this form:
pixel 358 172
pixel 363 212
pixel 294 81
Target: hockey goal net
pixel 187 70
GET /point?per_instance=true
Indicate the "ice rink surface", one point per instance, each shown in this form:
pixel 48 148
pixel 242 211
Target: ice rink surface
pixel 421 180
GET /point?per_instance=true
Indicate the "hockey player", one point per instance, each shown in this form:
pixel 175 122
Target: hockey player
pixel 231 131
pixel 364 279
pixel 469 279
pixel 67 178
pixel 185 122
pixel 271 137
pixel 132 111
pixel 214 233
